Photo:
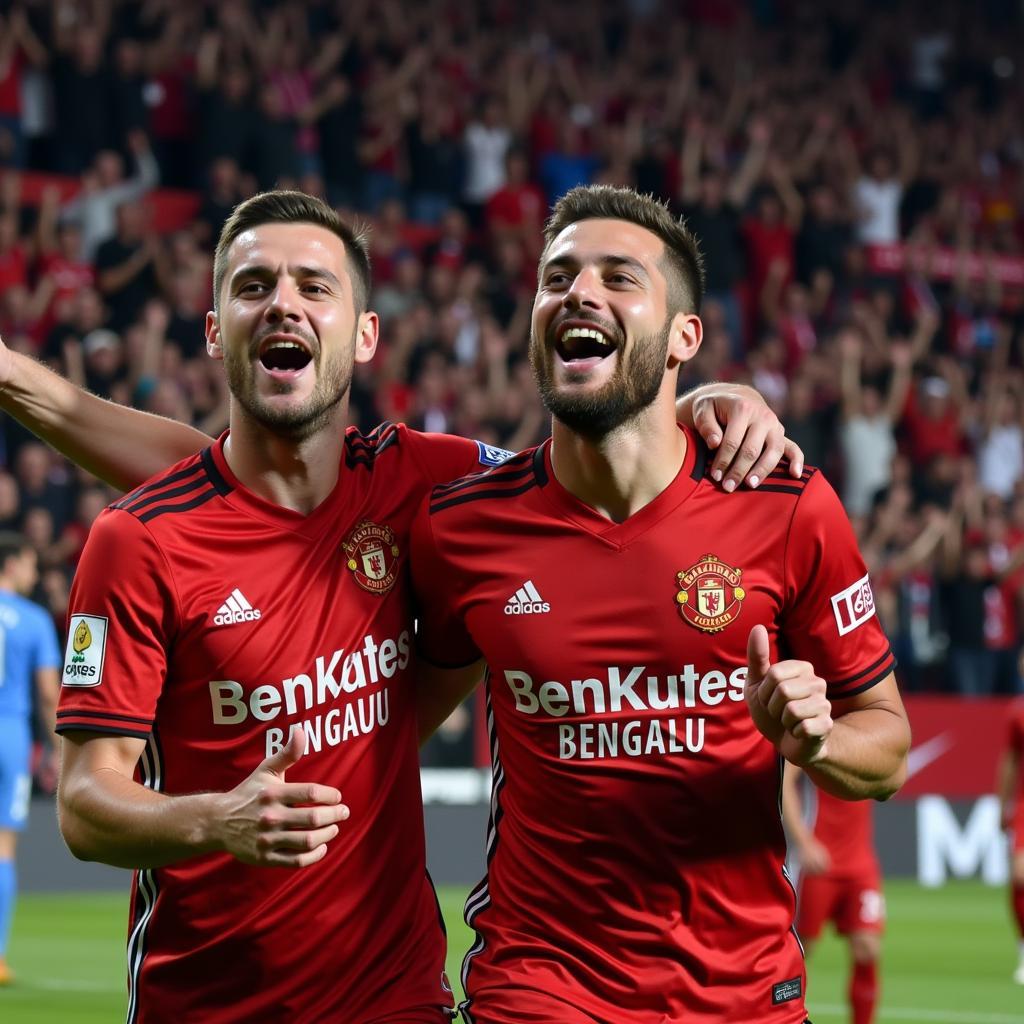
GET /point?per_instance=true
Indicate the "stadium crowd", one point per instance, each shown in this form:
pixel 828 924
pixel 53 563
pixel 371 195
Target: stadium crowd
pixel 854 174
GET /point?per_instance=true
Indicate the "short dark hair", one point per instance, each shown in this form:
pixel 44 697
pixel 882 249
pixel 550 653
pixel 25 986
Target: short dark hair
pixel 12 545
pixel 284 207
pixel 682 251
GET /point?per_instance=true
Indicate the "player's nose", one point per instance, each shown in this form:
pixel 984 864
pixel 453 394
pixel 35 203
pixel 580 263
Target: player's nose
pixel 283 302
pixel 585 290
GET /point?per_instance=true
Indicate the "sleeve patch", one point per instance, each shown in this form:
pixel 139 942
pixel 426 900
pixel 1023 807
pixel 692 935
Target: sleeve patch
pixel 853 606
pixel 492 455
pixel 86 649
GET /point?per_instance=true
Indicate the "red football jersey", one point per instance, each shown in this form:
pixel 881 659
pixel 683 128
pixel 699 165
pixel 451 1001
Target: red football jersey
pixel 635 851
pixel 207 622
pixel 844 827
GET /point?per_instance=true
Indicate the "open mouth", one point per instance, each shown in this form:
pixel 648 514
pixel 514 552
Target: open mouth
pixel 284 355
pixel 576 343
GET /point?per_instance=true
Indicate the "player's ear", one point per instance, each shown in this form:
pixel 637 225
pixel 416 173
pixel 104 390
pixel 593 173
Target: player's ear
pixel 684 338
pixel 367 333
pixel 213 345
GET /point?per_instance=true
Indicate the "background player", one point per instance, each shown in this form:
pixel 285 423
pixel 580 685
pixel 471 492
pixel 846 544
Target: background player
pixel 29 658
pixel 840 880
pixel 1010 787
pixel 631 706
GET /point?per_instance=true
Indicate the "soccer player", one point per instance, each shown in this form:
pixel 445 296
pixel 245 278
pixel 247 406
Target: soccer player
pixel 1010 786
pixel 654 649
pixel 248 605
pixel 840 880
pixel 29 659
pixel 245 609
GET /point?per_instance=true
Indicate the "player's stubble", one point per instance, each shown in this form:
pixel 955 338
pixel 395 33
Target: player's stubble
pixel 631 389
pixel 298 422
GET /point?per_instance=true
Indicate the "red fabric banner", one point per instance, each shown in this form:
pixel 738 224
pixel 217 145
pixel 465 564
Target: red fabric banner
pixel 940 263
pixel 957 745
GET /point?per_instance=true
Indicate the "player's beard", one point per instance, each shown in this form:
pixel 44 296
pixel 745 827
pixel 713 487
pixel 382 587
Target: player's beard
pixel 631 389
pixel 301 421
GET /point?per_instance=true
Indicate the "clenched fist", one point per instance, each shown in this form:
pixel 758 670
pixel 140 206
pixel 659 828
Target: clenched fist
pixel 787 703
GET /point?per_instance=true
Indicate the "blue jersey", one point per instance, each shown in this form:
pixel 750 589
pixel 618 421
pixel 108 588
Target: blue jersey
pixel 28 642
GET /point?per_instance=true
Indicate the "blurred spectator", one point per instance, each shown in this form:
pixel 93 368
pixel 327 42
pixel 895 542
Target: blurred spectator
pixel 19 48
pixel 517 210
pixel 712 206
pixel 128 112
pixel 105 190
pixel 43 481
pixel 130 266
pixel 572 163
pixel 487 142
pixel 435 162
pixel 879 192
pixel 80 92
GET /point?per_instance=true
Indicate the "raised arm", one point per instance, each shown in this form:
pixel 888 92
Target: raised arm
pixel 119 445
pixel 21 31
pixel 901 362
pixel 850 349
pixel 749 171
pixel 690 154
pixel 923 546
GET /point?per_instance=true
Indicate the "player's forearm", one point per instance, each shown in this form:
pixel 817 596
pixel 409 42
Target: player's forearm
pixel 120 445
pixel 113 820
pixel 865 756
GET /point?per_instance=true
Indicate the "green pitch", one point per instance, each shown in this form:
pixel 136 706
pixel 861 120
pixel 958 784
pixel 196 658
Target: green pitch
pixel 948 959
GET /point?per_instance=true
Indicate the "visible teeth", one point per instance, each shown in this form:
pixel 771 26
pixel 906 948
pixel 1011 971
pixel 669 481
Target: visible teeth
pixel 283 344
pixel 586 332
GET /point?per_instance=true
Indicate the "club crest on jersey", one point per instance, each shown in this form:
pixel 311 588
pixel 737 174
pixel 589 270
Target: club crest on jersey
pixel 710 595
pixel 372 556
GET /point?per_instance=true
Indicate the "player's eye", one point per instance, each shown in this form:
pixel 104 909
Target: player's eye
pixel 252 288
pixel 315 289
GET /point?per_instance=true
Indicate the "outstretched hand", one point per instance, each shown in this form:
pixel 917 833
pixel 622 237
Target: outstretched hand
pixel 270 822
pixel 787 702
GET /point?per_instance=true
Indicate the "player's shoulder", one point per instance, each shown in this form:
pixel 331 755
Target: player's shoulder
pixel 781 487
pixel 488 490
pixel 174 493
pixel 428 458
pixel 365 449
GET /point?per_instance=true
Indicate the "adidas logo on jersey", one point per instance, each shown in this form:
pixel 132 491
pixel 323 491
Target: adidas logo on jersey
pixel 235 609
pixel 526 601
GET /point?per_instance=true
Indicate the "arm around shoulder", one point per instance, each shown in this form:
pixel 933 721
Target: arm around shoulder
pixel 89 430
